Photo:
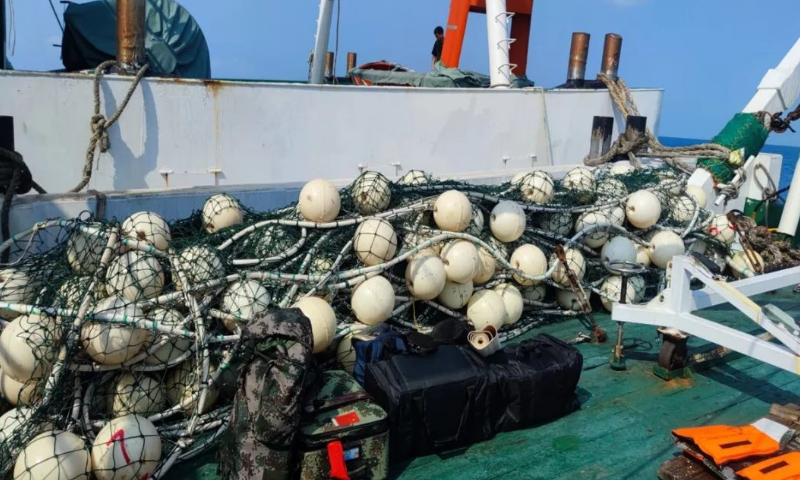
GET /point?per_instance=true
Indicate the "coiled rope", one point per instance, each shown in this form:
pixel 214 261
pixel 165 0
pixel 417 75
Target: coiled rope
pixel 636 144
pixel 15 179
pixel 100 124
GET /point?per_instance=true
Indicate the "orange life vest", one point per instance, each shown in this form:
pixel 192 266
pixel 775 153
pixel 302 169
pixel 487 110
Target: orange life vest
pixel 725 444
pixel 783 467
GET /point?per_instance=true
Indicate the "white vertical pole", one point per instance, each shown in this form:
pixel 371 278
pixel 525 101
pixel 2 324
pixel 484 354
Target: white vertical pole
pixel 497 30
pixel 791 209
pixel 321 45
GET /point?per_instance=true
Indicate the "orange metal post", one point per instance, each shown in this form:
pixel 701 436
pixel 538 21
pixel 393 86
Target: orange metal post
pixel 520 32
pixel 454 33
pixel 457 29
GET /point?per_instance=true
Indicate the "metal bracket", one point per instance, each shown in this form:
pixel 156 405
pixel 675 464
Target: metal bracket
pixel 673 308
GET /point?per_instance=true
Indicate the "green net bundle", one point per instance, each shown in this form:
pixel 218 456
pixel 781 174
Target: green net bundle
pixel 744 131
pixel 118 349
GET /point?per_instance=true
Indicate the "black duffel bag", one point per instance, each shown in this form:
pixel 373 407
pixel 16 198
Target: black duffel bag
pixel 435 402
pixel 453 398
pixel 536 379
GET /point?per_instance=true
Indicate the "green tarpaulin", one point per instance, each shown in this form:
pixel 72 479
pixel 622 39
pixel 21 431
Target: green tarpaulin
pixel 439 77
pixel 175 43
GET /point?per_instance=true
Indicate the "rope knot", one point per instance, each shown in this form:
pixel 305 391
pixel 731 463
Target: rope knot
pixel 99 128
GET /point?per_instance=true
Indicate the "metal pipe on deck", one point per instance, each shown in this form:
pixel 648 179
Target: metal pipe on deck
pixel 499 42
pixel 330 62
pixel 578 53
pixel 611 52
pixel 351 61
pixel 602 127
pixel 321 46
pixel 131 33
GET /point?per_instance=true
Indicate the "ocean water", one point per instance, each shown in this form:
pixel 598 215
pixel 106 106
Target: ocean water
pixel 790 154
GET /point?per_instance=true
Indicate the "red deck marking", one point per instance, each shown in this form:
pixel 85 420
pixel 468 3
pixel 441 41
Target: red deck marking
pixel 120 435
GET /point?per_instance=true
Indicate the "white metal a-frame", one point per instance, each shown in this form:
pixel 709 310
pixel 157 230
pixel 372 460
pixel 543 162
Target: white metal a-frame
pixel 674 308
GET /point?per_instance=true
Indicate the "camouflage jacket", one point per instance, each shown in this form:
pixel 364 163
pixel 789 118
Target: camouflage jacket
pixel 273 385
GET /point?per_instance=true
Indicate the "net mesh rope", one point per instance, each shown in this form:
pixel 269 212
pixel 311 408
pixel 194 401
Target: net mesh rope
pixel 119 339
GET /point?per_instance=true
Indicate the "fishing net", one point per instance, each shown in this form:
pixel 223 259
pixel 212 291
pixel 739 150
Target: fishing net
pixel 124 335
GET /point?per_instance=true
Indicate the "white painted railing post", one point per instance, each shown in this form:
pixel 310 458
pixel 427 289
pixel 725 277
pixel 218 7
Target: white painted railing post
pixel 499 43
pixel 321 45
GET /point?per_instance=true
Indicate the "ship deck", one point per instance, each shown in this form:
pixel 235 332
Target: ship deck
pixel 623 428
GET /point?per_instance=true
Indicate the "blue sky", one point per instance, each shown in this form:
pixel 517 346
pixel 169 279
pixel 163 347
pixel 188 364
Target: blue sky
pixel 709 55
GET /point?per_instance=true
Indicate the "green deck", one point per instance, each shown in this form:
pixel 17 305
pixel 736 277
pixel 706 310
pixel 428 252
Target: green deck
pixel 622 430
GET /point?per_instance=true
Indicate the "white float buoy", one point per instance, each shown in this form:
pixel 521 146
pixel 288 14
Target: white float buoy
pixel 557 222
pixel 221 211
pixel 507 221
pixel 516 179
pixel 371 193
pixel 375 242
pixel 682 209
pixel 135 276
pixel 15 287
pixel 176 346
pixel 373 301
pixel 618 249
pixel 612 291
pixel 148 227
pixel 140 394
pixel 183 382
pixel 452 211
pixel 567 300
pixel 721 230
pixel 426 277
pixel 322 318
pixel 617 215
pixel 639 287
pixel 663 246
pixel 742 266
pixel 621 168
pixel 597 236
pixel 127 447
pixel 319 201
pixel 537 187
pixel 579 178
pixel 534 293
pixel 485 308
pixel 643 209
pixel 244 299
pixel 698 194
pixel 345 352
pixel 486 266
pixel 414 177
pixel 28 346
pixel 611 188
pixel 455 295
pixel 642 255
pixel 111 343
pixel 199 264
pixel 531 260
pixel 84 250
pixel 14 419
pixel 461 261
pixel 54 455
pixel 19 393
pixel 512 299
pixel 576 263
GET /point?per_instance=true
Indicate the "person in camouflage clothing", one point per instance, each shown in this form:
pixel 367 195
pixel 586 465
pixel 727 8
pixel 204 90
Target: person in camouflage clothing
pixel 274 384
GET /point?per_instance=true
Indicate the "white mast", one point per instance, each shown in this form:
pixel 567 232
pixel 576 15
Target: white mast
pixel 499 43
pixel 321 46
